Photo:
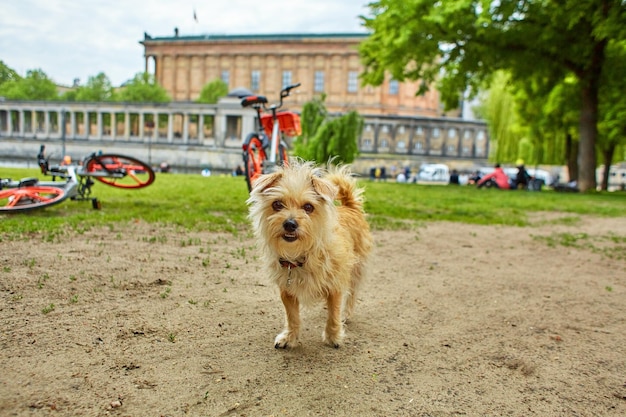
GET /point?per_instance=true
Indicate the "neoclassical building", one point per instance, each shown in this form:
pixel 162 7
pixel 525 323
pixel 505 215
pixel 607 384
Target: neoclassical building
pixel 400 128
pixel 322 63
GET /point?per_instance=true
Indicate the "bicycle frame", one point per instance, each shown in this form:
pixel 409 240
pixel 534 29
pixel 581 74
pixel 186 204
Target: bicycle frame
pixel 260 155
pixel 274 143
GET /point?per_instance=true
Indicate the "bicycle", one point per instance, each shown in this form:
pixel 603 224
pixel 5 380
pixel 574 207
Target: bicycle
pixel 260 153
pixel 111 169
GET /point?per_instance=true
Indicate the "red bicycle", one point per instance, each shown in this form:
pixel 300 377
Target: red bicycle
pixel 112 169
pixel 265 148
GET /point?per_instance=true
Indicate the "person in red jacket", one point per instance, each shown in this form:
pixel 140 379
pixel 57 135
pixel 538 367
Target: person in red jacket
pixel 497 178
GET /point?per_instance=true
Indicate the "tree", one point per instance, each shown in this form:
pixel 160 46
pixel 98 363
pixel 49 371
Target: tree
pixel 213 91
pixel 313 115
pixel 35 86
pixel 143 88
pixel 325 137
pixel 498 109
pixel 461 43
pixel 612 115
pixel 97 89
pixel 531 122
pixel 7 74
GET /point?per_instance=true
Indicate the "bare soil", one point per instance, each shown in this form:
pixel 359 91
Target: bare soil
pixel 454 319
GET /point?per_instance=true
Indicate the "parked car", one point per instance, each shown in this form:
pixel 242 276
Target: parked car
pixel 434 173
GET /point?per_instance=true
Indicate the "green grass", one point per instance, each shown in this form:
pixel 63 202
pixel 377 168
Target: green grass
pixel 217 203
pixel 391 205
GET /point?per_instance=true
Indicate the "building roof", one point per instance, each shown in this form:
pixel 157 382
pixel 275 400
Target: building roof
pixel 254 37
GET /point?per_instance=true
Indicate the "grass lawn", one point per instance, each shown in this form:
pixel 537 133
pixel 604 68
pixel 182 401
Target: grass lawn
pixel 218 203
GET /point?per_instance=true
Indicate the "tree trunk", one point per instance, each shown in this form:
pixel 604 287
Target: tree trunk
pixel 607 155
pixel 571 155
pixel 590 88
pixel 588 133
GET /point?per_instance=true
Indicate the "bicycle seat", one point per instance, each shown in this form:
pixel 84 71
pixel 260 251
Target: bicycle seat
pixel 251 100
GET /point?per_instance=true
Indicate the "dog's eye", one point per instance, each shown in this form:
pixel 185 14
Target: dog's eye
pixel 308 207
pixel 277 205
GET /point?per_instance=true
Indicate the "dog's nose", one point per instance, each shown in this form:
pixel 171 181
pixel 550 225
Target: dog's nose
pixel 290 225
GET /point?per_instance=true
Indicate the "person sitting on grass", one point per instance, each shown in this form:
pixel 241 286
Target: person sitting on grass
pixel 497 178
pixel 522 178
pixel 454 177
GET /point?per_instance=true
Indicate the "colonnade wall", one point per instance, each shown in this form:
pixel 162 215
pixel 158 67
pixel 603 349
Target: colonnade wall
pixel 192 136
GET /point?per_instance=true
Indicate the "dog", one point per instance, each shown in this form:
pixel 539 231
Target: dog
pixel 314 240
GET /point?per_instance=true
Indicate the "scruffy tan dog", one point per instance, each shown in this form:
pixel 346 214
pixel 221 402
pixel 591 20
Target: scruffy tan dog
pixel 314 240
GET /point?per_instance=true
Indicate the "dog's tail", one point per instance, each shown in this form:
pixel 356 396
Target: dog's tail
pixel 349 193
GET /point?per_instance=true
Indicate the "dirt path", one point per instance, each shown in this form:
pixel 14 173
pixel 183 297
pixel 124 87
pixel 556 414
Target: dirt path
pixel 454 320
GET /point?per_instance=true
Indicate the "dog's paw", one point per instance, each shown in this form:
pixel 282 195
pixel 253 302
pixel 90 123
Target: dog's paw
pixel 285 339
pixel 333 340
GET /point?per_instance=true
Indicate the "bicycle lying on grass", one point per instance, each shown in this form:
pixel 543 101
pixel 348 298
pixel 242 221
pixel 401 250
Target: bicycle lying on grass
pixel 260 154
pixel 112 169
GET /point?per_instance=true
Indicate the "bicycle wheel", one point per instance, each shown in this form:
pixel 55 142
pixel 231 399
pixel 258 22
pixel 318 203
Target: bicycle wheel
pixel 16 200
pixel 253 157
pixel 119 171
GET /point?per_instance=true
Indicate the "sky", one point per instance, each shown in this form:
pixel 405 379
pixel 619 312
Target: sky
pixel 69 39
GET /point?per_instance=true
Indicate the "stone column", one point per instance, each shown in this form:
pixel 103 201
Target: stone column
pixel 185 128
pixel 72 124
pixel 188 76
pixel 86 124
pixel 174 74
pixel 99 127
pixel 126 125
pixel 10 123
pixel 247 125
pixel 46 123
pixel 113 125
pixel 411 138
pixel 200 128
pixel 427 135
pixel 155 130
pixel 141 125
pixel 170 127
pixel 220 130
pixel 22 119
pixel 158 74
pixel 59 122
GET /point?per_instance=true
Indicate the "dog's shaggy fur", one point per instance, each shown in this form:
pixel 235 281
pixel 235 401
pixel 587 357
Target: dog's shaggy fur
pixel 314 240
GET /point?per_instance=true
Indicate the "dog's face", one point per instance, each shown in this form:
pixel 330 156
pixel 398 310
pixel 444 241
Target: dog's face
pixel 293 209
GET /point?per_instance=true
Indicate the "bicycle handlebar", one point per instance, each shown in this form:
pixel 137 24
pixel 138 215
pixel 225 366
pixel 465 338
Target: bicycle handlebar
pixel 285 91
pixel 261 101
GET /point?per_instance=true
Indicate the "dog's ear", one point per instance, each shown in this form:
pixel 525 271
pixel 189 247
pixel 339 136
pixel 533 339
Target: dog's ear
pixel 265 181
pixel 324 188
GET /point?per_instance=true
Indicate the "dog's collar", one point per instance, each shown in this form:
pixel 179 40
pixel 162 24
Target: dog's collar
pixel 287 264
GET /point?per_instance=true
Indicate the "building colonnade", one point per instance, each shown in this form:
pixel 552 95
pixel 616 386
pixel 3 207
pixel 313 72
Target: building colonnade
pixel 224 126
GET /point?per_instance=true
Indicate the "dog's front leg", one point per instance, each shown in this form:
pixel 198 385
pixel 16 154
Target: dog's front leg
pixel 334 327
pixel 289 336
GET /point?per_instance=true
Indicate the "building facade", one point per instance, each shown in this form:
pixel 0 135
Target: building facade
pixel 324 64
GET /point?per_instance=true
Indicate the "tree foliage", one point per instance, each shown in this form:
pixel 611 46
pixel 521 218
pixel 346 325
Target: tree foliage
pixel 97 89
pixel 459 44
pixel 497 108
pixel 34 86
pixel 325 137
pixel 612 114
pixel 143 88
pixel 7 74
pixel 213 91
